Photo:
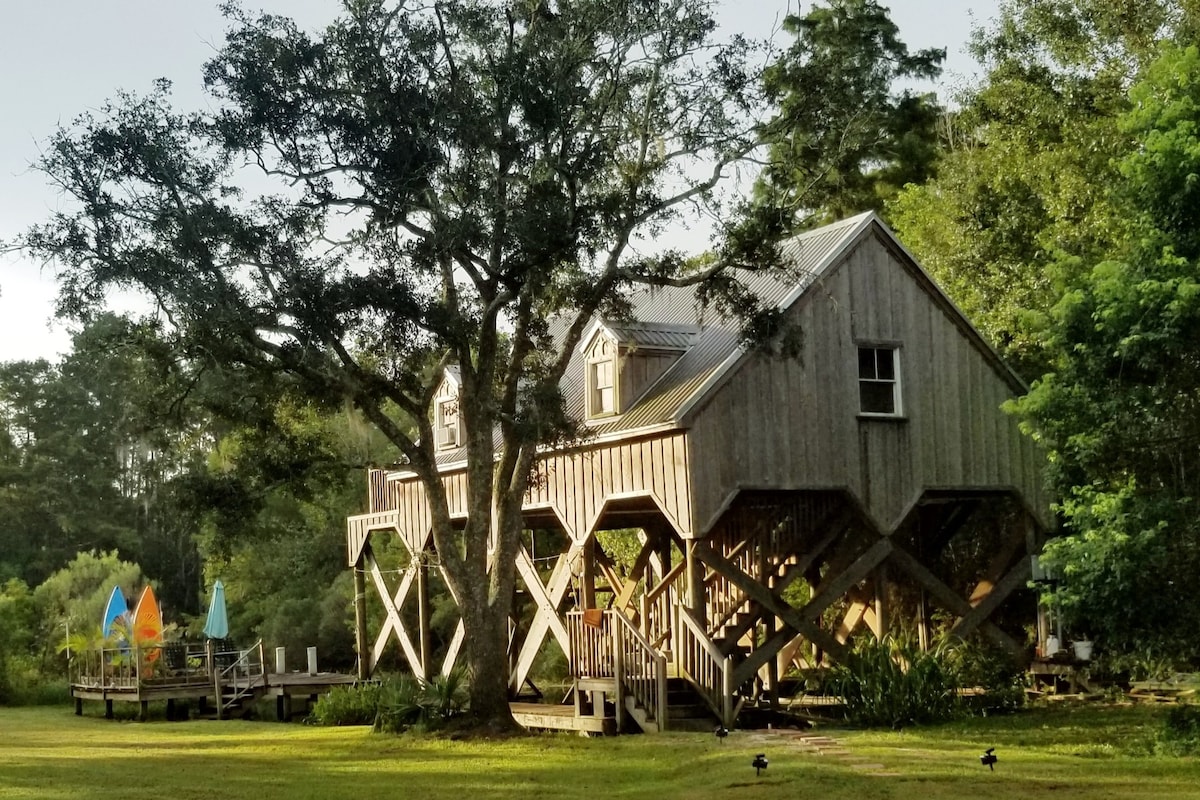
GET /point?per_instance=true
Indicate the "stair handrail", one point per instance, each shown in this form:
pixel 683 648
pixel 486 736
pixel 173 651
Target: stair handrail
pixel 657 616
pixel 641 669
pixel 239 691
pixel 703 665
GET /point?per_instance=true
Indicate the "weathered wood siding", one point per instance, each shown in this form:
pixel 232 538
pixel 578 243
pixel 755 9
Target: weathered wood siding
pixel 794 424
pixel 576 485
pixel 639 369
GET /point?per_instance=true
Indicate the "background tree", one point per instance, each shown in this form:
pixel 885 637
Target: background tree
pixel 1019 205
pixel 845 139
pixel 445 180
pixel 1120 412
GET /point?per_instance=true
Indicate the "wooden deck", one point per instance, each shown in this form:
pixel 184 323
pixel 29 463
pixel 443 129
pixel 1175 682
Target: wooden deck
pixel 230 679
pixel 543 716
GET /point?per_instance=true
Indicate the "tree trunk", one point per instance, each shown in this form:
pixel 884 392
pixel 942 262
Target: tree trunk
pixel 487 664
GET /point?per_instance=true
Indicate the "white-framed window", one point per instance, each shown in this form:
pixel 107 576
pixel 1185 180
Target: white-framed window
pixel 879 381
pixel 447 423
pixel 602 391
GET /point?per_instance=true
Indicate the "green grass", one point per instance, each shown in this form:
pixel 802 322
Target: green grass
pixel 1087 752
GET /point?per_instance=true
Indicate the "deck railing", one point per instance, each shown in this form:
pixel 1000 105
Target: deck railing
pixel 124 667
pixel 703 664
pixel 608 645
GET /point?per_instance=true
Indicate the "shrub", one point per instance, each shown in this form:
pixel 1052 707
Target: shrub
pixel 892 683
pixel 409 704
pixel 348 705
pixel 395 706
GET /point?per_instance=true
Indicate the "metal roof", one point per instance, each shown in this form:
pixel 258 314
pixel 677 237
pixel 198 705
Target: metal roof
pixel 673 318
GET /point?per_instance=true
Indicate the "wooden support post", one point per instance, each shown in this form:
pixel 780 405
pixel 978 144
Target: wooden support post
pixel 143 710
pixel 423 629
pixel 79 706
pixel 772 664
pixel 360 616
pixel 108 709
pixel 881 603
pixel 695 583
pixel 618 672
pixel 170 709
pixel 923 621
pixel 587 574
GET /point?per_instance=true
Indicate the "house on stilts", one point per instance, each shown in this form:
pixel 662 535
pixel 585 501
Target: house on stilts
pixel 782 506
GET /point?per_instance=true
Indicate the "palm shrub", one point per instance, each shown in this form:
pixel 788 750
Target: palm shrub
pixel 408 703
pixel 892 683
pixel 396 705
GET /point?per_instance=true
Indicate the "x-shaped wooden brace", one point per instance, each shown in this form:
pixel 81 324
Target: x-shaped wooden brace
pixel 969 618
pixel 802 620
pixel 548 598
pixel 392 603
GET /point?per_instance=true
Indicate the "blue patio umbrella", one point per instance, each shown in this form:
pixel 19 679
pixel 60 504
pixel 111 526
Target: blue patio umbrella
pixel 217 624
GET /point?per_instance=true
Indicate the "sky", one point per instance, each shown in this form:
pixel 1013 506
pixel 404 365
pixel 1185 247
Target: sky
pixel 59 58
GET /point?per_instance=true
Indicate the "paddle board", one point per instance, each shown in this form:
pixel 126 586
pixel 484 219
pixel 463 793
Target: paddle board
pixel 147 623
pixel 115 608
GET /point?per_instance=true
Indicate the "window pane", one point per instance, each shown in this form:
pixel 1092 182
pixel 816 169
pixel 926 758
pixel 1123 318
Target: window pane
pixel 866 362
pixel 604 400
pixel 876 397
pixel 885 362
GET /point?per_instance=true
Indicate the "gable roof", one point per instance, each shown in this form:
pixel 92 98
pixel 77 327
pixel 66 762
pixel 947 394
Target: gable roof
pixel 672 318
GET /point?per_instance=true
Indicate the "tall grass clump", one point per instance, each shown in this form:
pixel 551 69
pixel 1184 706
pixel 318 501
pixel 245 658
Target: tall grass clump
pixel 891 683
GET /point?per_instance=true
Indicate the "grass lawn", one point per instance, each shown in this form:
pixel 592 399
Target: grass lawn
pixel 1061 753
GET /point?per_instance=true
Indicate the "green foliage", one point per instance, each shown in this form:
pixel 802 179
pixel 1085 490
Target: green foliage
pixel 348 705
pixel 1119 412
pixel 1179 733
pixel 844 140
pixel 395 705
pixel 18 615
pixel 893 684
pixel 73 598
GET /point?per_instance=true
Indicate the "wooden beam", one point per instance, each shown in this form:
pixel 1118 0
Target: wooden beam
pixel 852 618
pixel 394 623
pixel 762 594
pixel 949 599
pixel 999 563
pixel 983 608
pixel 625 596
pixel 549 598
pixel 360 615
pixel 831 590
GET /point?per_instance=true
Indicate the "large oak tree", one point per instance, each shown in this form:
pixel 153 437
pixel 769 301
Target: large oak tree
pixel 421 185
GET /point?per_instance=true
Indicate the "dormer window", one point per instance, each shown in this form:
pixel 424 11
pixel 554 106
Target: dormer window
pixel 447 423
pixel 602 394
pixel 879 381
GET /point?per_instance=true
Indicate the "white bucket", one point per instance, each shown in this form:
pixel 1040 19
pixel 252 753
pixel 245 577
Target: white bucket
pixel 1083 650
pixel 1052 647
